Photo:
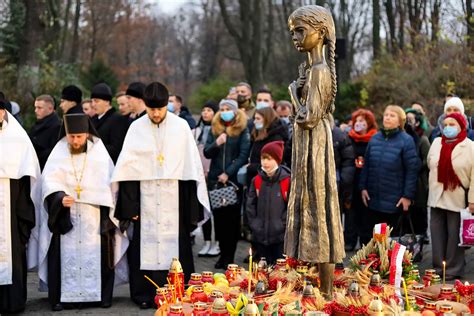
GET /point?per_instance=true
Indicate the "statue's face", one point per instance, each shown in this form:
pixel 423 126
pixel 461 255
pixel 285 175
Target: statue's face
pixel 304 36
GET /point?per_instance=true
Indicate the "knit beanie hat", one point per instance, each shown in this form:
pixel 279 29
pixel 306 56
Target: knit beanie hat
pixel 456 102
pixel 136 89
pixel 230 103
pixel 274 149
pixel 72 93
pixel 212 105
pixel 459 118
pixel 101 91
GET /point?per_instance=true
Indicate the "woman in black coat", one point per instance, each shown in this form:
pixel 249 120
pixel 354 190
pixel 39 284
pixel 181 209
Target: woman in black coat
pixel 228 147
pixel 267 127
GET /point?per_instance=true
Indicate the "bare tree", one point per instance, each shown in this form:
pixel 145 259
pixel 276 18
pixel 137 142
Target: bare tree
pixel 376 28
pixel 75 38
pixel 252 37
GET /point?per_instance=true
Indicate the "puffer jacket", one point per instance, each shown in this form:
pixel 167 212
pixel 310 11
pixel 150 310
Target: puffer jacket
pixel 390 171
pixel 235 151
pixel 267 212
pixel 344 159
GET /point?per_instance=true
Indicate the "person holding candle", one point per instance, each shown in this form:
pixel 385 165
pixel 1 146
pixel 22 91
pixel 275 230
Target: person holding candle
pixel 267 203
pixel 451 188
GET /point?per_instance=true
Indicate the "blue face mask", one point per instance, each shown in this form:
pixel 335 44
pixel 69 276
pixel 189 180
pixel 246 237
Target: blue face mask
pixel 261 105
pixel 285 119
pixel 170 106
pixel 258 126
pixel 450 131
pixel 227 116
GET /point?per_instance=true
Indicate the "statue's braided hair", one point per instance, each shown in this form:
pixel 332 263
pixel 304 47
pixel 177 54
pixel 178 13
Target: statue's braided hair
pixel 320 18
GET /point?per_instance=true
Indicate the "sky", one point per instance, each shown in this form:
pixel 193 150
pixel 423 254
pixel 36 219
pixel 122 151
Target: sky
pixel 169 6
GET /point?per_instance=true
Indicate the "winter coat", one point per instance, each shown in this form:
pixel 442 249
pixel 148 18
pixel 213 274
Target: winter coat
pixel 201 133
pixel 44 136
pixel 390 171
pixel 344 158
pixel 463 166
pixel 267 212
pixel 235 151
pixel 112 128
pixel 277 130
pixel 187 116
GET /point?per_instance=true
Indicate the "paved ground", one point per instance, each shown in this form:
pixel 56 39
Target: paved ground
pixel 37 303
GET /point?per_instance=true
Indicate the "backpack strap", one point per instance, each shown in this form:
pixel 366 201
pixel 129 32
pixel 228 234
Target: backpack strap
pixel 258 183
pixel 285 187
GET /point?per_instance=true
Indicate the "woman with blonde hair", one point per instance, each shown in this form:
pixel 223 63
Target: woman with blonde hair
pixel 451 188
pixel 391 164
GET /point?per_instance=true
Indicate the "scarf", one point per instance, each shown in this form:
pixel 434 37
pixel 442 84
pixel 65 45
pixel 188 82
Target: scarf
pixel 358 138
pixel 446 174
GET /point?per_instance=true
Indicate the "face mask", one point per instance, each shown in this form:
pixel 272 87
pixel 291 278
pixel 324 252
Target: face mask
pixel 227 116
pixel 258 126
pixel 347 129
pixel 170 107
pixel 285 120
pixel 359 127
pixel 262 105
pixel 270 171
pixel 241 99
pixel 450 131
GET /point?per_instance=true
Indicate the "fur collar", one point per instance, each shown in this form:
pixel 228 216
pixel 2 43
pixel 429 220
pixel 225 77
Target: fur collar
pixel 234 130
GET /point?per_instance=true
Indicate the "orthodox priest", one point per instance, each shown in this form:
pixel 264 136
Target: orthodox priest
pixel 162 194
pixel 19 170
pixel 77 252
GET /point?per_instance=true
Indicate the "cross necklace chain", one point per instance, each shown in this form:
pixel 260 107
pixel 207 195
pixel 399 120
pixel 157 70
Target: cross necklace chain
pixel 160 143
pixel 78 188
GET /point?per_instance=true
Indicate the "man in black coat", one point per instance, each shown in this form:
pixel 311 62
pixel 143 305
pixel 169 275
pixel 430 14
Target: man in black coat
pixel 111 126
pixel 71 98
pixel 44 134
pixel 175 105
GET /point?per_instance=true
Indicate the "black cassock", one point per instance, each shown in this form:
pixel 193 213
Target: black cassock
pixel 190 213
pixel 59 223
pixel 13 296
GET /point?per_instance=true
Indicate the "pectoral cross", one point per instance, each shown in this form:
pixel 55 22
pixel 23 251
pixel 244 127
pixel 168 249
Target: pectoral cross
pixel 78 191
pixel 161 159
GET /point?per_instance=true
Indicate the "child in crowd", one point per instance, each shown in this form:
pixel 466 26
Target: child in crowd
pixel 267 203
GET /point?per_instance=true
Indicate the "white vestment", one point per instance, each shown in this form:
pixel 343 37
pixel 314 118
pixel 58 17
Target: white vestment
pixel 17 159
pixel 159 157
pixel 80 247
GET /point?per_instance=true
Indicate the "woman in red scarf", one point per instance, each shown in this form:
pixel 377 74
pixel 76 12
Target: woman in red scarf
pixel 364 127
pixel 451 188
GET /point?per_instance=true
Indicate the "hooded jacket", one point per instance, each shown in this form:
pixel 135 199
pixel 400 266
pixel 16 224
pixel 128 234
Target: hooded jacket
pixel 234 152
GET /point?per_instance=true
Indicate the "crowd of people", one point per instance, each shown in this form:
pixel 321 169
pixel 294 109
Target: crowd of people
pixel 406 171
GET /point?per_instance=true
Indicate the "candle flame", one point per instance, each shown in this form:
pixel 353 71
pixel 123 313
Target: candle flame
pixel 250 251
pixel 444 263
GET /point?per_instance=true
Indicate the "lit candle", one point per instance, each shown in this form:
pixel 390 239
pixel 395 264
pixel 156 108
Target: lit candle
pixel 406 294
pixel 444 272
pixel 250 270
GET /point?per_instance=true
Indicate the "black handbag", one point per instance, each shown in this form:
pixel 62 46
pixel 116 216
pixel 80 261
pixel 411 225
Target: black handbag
pixel 224 194
pixel 413 242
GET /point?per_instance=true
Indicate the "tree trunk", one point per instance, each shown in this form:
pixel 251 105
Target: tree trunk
pixel 470 25
pixel 65 29
pixel 391 26
pixel 75 37
pixel 376 28
pixel 401 24
pixel 33 33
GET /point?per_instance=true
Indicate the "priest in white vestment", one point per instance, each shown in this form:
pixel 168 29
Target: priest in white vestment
pixel 78 234
pixel 162 194
pixel 19 170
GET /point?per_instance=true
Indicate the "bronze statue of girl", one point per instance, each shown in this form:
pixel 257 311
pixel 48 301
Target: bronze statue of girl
pixel 314 230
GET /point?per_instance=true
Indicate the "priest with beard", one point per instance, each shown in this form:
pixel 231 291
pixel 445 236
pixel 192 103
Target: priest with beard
pixel 19 170
pixel 78 236
pixel 162 194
